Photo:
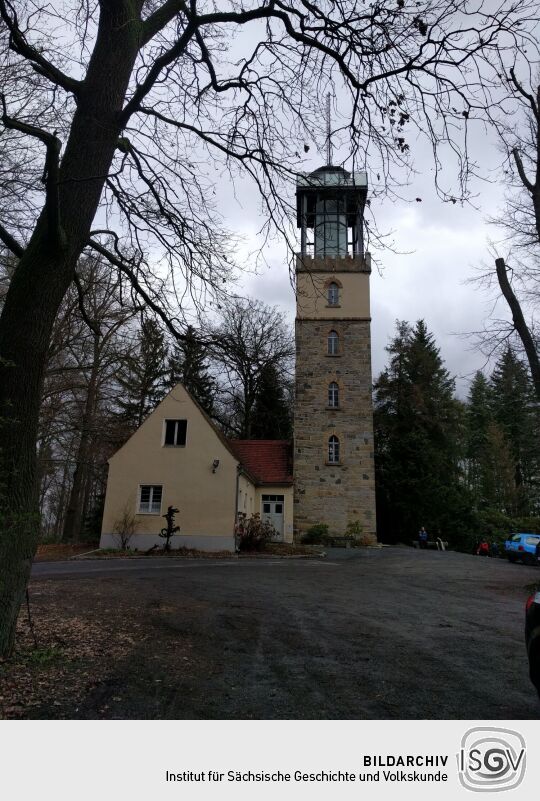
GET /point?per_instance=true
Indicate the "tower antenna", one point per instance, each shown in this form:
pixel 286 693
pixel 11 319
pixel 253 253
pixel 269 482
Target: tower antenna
pixel 328 132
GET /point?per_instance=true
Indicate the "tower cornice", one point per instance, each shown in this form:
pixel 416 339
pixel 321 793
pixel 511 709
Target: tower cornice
pixel 333 264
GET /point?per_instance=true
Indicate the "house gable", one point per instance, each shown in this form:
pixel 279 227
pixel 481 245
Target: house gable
pixel 199 477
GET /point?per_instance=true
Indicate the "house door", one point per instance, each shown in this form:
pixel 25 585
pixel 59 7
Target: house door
pixel 272 510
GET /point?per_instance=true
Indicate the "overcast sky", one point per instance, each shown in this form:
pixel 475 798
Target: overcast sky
pixel 440 244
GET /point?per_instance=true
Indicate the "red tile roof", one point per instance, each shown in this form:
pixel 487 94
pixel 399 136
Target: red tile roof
pixel 268 461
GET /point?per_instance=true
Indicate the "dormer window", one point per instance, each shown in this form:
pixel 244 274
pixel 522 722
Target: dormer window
pixel 333 294
pixel 175 433
pixel 333 343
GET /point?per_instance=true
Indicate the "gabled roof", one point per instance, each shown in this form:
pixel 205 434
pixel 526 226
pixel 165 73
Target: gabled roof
pixel 267 460
pixel 223 439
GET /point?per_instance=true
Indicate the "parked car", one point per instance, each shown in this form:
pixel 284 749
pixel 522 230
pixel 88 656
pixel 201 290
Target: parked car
pixel 532 637
pixel 522 547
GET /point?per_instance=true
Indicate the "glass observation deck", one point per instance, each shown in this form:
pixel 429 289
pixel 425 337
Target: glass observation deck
pixel 330 212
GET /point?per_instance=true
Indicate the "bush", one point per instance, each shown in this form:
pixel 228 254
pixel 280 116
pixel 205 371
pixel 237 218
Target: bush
pixel 315 535
pixel 253 533
pixel 494 526
pixel 528 525
pixel 354 529
pixel 125 527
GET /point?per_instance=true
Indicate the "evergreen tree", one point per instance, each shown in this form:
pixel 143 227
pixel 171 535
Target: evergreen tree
pixel 498 474
pixel 479 423
pixel 188 364
pixel 272 417
pixel 142 375
pixel 515 410
pixel 417 430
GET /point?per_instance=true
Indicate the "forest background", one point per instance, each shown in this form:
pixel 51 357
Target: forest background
pixel 465 468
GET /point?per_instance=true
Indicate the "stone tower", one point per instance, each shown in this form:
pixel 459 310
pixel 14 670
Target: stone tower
pixel 334 480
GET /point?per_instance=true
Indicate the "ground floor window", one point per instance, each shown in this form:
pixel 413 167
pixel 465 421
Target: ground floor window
pixel 150 499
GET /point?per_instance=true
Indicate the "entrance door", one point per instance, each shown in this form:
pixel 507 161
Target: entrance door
pixel 272 510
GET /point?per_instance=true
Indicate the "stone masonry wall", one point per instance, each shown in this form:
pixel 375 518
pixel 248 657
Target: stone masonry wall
pixel 328 493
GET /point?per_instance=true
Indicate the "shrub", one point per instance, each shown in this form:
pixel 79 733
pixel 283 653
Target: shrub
pixel 494 526
pixel 253 533
pixel 125 527
pixel 315 535
pixel 354 529
pixel 528 525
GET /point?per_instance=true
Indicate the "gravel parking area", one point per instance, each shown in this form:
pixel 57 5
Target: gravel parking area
pixel 391 633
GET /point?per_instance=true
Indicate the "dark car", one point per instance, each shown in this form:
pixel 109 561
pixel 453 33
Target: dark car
pixel 532 637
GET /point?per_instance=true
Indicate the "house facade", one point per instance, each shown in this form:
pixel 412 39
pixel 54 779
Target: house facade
pixel 178 458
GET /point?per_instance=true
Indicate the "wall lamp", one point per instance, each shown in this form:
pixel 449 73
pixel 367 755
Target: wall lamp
pixel 215 465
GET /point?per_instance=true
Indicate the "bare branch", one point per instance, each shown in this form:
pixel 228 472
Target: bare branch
pixel 520 89
pixel 159 64
pixel 50 174
pixel 161 17
pixel 19 45
pixel 521 170
pixel 10 242
pixel 125 268
pixel 80 293
pixel 519 323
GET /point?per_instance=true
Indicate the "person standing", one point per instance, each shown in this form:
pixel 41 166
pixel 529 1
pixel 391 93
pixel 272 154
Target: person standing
pixel 483 548
pixel 423 537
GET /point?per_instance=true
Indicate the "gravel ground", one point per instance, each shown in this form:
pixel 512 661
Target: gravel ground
pixel 391 633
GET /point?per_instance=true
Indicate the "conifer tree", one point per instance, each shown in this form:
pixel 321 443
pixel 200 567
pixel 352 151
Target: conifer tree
pixel 417 429
pixel 479 419
pixel 516 413
pixel 498 475
pixel 272 417
pixel 142 376
pixel 188 364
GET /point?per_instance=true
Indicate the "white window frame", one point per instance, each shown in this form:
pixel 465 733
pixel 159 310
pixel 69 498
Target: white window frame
pixel 151 499
pixel 333 395
pixel 334 448
pixel 173 420
pixel 333 337
pixel 332 295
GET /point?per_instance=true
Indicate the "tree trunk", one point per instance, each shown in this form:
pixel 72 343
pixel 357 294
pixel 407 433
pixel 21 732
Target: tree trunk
pixel 38 286
pixel 75 509
pixel 61 508
pixel 519 324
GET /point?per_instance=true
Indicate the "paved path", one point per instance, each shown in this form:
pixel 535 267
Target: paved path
pixel 396 633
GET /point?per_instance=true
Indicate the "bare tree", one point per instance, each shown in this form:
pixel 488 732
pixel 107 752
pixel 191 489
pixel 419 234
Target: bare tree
pixel 117 113
pixel 518 275
pixel 251 338
pixel 98 306
pixel 89 344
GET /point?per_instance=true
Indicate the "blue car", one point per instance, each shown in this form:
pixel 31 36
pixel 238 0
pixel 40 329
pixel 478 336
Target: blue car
pixel 522 547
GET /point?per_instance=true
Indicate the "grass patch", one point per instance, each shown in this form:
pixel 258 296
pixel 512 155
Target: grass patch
pixel 43 657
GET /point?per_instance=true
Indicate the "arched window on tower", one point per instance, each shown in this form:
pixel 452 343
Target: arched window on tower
pixel 333 395
pixel 333 343
pixel 333 294
pixel 333 450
